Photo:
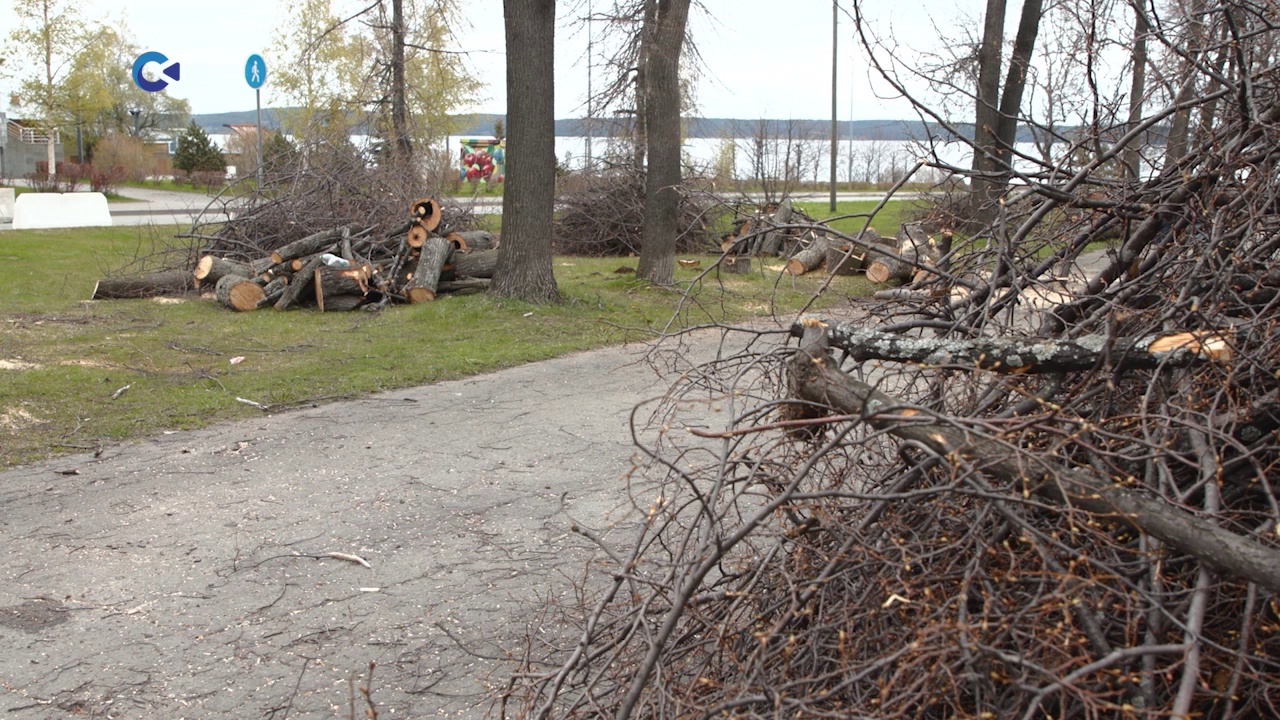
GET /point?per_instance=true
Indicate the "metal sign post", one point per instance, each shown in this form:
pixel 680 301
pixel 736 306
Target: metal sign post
pixel 255 73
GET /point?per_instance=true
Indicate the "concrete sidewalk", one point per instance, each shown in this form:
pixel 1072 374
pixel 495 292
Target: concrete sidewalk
pixel 189 575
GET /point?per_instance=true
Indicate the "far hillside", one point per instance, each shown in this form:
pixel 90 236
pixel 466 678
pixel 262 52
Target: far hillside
pixel 482 124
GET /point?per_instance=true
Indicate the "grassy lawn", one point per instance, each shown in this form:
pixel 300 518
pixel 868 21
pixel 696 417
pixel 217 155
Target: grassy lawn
pixel 850 215
pixel 64 359
pixel 165 184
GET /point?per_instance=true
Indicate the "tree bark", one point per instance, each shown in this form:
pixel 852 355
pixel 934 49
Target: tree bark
pixel 472 240
pixel 815 377
pixel 175 282
pixel 1019 355
pixel 662 111
pixel 1015 83
pixel 809 258
pixel 211 268
pixel 1176 146
pixel 1137 85
pixel 987 100
pixel 301 282
pixel 239 293
pixel 402 146
pixel 771 243
pixel 524 259
pixel 422 287
pixel 480 264
pixel 308 245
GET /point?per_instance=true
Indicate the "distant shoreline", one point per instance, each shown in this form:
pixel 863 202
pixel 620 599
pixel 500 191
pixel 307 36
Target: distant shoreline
pixel 695 127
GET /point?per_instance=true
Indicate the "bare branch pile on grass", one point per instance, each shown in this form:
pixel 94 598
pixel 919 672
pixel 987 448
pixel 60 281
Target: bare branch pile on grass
pixel 950 537
pixel 603 215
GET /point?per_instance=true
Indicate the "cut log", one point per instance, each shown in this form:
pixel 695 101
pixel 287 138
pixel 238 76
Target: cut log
pixel 737 241
pixel 844 259
pixel 736 264
pixel 1013 355
pixel 239 293
pixel 174 282
pixel 428 212
pixel 273 290
pixel 343 303
pixel 344 281
pixel 885 268
pixel 322 241
pixel 211 268
pixel 771 243
pixel 472 240
pixel 302 281
pixel 426 276
pixel 809 258
pixel 814 375
pixel 475 264
pixel 463 287
pixel 416 236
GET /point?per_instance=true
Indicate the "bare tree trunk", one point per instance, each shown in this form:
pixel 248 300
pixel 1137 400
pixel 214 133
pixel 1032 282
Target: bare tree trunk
pixel 662 181
pixel 1014 84
pixel 1179 129
pixel 524 257
pixel 641 138
pixel 987 98
pixel 402 148
pixel 1138 86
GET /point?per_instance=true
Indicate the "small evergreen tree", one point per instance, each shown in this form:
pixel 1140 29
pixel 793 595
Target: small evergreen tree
pixel 196 152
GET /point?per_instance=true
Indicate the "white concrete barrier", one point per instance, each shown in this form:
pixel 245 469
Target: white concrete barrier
pixel 6 204
pixel 60 210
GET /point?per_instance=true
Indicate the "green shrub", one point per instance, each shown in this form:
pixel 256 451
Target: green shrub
pixel 197 153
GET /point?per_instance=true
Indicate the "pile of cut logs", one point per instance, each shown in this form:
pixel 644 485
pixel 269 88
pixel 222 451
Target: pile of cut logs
pixel 779 230
pixel 342 268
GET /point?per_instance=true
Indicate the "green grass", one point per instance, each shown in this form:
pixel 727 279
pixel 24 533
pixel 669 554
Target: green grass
pixel 850 215
pixel 166 184
pixel 62 358
pixel 111 197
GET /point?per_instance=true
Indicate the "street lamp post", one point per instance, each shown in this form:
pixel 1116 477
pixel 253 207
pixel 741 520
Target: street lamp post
pixel 137 115
pixel 835 24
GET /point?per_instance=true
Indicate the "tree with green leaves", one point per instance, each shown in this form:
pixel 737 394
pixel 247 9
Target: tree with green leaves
pixel 98 93
pixel 48 36
pixel 196 152
pixel 387 67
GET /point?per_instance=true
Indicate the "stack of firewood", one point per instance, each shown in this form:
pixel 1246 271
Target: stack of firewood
pixel 783 231
pixel 342 268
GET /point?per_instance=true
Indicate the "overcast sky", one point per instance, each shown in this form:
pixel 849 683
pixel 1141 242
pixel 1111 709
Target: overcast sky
pixel 763 58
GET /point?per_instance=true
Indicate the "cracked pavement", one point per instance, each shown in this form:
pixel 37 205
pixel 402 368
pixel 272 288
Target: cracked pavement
pixel 189 575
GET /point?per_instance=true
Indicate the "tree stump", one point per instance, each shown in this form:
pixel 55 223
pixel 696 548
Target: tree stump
pixel 736 264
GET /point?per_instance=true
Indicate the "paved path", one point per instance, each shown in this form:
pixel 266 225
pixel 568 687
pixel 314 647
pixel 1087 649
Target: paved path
pixel 187 576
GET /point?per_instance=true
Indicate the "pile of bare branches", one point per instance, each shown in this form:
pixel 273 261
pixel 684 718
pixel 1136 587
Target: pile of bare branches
pixel 987 530
pixel 603 216
pixel 330 185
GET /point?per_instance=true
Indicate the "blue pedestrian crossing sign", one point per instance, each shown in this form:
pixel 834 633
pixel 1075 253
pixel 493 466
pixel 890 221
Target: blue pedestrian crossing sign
pixel 255 71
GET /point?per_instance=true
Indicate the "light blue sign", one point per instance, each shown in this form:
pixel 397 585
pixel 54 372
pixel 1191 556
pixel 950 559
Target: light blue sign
pixel 255 71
